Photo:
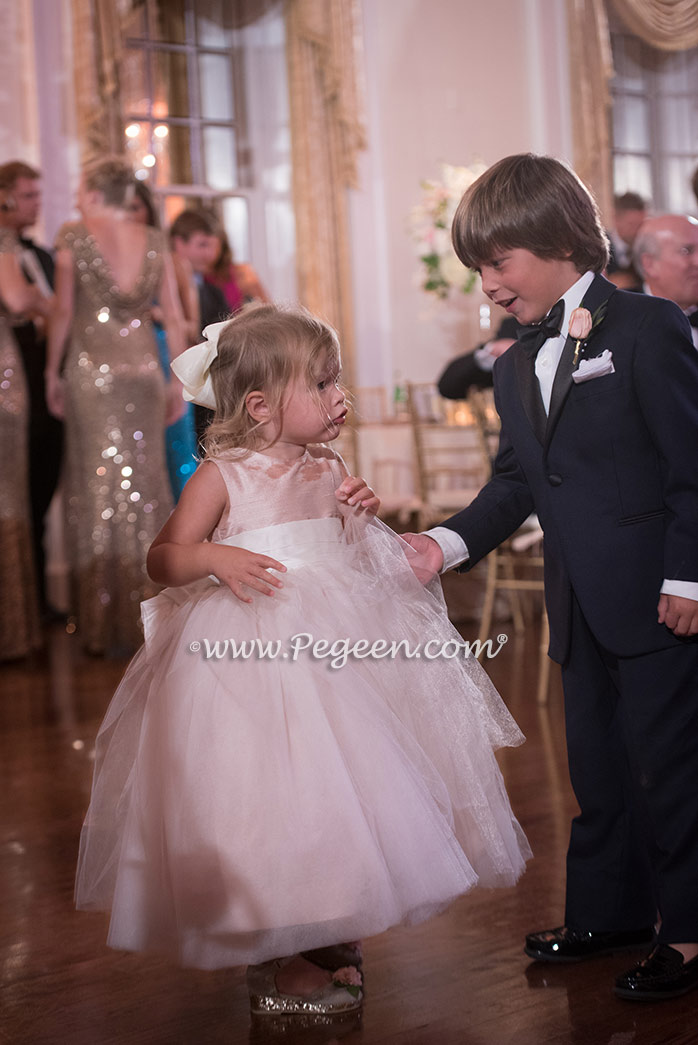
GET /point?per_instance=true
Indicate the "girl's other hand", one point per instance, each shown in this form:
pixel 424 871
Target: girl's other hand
pixel 238 567
pixel 354 491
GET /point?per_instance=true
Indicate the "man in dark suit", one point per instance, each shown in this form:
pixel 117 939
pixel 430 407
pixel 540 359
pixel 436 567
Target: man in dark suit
pixel 194 241
pixel 600 439
pixel 474 369
pixel 666 255
pixel 21 189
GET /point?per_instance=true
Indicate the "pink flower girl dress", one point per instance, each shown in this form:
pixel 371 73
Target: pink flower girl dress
pixel 251 805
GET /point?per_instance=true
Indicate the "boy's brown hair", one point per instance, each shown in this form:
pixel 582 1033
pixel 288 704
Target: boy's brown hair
pixel 532 202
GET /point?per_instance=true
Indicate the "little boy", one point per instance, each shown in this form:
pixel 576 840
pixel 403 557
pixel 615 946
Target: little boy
pixel 600 439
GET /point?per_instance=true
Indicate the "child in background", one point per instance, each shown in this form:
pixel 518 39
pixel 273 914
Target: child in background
pixel 271 807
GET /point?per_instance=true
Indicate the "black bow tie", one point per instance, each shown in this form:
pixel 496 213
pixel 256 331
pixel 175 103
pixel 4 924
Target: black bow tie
pixel 693 317
pixel 533 336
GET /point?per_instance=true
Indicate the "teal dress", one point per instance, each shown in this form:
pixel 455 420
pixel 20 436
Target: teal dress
pixel 180 437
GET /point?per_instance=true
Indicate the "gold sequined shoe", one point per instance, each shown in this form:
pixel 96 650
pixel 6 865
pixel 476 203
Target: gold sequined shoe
pixel 341 995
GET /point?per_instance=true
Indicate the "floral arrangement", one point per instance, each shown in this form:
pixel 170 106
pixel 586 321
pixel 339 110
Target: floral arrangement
pixel 430 223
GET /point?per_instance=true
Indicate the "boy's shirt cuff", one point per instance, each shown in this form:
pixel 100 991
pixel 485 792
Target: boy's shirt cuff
pixel 686 589
pixel 453 546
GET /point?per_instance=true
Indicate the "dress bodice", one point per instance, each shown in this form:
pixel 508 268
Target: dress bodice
pixel 265 491
pixel 95 278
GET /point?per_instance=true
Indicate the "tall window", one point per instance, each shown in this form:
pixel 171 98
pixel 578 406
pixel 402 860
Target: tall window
pixel 204 98
pixel 655 122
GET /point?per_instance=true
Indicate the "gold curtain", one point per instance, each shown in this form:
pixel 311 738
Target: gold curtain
pixel 97 51
pixel 323 41
pixel 670 25
pixel 591 68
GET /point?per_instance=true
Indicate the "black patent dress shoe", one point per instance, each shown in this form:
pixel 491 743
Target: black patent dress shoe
pixel 662 974
pixel 566 944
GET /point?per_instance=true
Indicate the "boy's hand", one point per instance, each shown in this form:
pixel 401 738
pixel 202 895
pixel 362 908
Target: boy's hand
pixel 354 491
pixel 428 560
pixel 680 615
pixel 238 566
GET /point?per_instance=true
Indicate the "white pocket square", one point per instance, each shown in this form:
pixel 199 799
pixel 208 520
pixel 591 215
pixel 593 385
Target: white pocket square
pixel 596 367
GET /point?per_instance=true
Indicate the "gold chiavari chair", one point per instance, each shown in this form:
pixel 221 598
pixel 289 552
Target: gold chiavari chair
pixel 366 439
pixel 517 564
pixel 449 464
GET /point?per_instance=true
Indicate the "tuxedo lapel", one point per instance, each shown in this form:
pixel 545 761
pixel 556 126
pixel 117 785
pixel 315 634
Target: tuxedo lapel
pixel 529 390
pixel 599 291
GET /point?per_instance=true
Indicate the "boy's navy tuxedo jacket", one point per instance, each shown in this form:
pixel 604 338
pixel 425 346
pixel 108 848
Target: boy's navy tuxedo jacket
pixel 614 478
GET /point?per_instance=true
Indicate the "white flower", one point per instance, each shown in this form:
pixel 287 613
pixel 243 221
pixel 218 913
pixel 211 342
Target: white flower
pixel 430 224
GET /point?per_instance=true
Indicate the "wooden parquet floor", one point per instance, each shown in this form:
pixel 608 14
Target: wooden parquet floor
pixel 460 979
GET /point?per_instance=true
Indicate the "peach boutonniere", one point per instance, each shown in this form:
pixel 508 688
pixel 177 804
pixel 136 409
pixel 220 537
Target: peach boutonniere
pixel 582 325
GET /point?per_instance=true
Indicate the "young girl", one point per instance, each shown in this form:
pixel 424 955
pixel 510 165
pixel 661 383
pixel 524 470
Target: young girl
pixel 289 762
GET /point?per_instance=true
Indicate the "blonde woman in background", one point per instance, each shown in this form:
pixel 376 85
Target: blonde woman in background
pixel 103 376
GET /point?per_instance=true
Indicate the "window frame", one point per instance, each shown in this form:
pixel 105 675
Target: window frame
pixel 654 93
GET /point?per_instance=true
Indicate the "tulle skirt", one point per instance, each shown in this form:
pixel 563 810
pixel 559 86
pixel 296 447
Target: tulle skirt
pixel 288 774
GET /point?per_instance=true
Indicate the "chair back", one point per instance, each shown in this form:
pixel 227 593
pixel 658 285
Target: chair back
pixel 450 468
pixel 487 422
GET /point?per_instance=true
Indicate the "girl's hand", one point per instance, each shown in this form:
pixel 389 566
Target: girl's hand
pixel 238 566
pixel 354 491
pixel 55 395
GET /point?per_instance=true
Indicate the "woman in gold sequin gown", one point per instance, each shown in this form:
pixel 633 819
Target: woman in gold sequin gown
pixel 110 389
pixel 19 615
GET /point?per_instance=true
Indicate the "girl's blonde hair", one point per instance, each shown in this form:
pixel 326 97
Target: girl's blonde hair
pixel 263 348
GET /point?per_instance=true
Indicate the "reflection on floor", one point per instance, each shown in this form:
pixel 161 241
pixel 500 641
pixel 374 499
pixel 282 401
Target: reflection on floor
pixel 461 978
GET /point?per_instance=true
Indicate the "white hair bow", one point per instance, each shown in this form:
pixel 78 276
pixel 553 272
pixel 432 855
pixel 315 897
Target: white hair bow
pixel 193 368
